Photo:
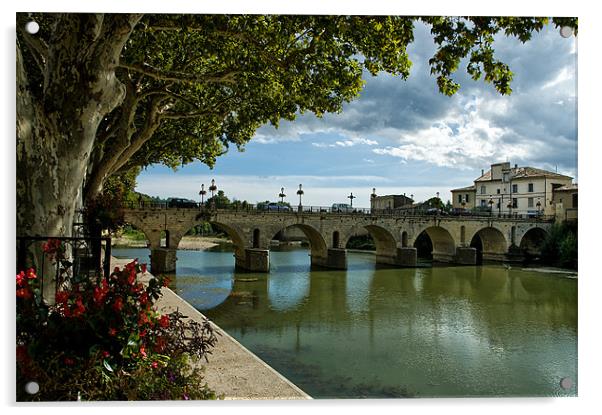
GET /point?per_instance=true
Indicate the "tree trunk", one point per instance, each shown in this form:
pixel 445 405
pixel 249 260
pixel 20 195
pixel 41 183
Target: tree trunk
pixel 56 129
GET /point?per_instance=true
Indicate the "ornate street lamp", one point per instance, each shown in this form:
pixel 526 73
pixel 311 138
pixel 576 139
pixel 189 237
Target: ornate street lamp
pixel 490 205
pixel 212 189
pixel 538 204
pixel 300 193
pixel 282 195
pixel 351 197
pixel 202 193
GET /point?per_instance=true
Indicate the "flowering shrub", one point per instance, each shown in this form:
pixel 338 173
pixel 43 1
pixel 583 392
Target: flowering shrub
pixel 104 340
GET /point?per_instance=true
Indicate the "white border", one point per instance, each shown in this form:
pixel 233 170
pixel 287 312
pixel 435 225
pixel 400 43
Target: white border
pixel 589 146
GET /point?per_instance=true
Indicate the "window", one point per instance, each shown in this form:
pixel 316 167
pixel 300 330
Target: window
pixel 483 190
pixel 483 203
pixel 531 187
pixel 574 200
pixel 514 188
pixel 467 198
pixel 498 191
pixel 514 203
pixel 530 202
pixel 505 177
pixel 459 198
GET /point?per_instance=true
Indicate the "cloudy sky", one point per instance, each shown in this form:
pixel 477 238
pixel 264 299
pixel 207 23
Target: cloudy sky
pixel 404 136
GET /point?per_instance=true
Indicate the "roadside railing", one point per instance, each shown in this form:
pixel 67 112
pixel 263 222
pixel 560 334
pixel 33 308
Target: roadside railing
pixel 284 209
pixel 60 259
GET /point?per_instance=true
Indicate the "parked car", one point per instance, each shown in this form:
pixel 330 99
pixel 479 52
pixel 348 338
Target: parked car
pixel 459 212
pixel 341 208
pixel 276 207
pixel 181 203
pixel 435 211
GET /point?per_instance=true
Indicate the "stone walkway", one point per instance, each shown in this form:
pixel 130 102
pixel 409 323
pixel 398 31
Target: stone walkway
pixel 233 371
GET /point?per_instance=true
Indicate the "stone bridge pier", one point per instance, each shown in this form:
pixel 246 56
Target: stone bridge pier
pixel 454 240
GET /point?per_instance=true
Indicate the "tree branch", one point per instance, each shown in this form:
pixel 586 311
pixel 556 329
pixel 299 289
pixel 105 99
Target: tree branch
pixel 175 76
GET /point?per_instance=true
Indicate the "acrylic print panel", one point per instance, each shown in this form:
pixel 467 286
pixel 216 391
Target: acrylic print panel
pixel 401 222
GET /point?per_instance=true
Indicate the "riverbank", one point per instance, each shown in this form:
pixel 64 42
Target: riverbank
pixel 232 371
pixel 189 243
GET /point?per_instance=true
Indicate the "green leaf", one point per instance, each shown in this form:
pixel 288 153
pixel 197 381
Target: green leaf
pixel 107 365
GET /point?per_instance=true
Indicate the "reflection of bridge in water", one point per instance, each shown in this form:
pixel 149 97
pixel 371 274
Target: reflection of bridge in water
pixel 415 298
pixel 459 240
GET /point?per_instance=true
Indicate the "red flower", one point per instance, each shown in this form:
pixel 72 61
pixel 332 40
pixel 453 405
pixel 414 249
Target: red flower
pixel 154 365
pixel 105 354
pixel 68 361
pixel 164 321
pixel 31 274
pixel 112 331
pixel 142 319
pixel 132 277
pixel 21 278
pixel 118 304
pixel 62 297
pixel 79 307
pixel 160 344
pixel 143 351
pixel 144 298
pixel 143 333
pixel 24 293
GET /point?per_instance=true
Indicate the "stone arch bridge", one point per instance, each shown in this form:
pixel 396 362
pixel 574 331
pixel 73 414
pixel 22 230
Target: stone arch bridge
pixel 499 239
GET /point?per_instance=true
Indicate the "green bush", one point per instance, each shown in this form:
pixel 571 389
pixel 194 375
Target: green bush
pixel 103 339
pixel 559 247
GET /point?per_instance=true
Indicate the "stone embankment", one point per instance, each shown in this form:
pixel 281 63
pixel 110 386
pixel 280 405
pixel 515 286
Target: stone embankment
pixel 233 371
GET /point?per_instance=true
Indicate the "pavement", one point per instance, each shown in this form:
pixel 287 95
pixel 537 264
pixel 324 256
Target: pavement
pixel 233 372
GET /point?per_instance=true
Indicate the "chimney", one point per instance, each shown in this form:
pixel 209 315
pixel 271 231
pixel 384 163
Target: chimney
pixel 482 172
pixel 516 166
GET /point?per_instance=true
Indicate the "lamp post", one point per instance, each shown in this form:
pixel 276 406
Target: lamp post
pixel 282 195
pixel 202 193
pixel 351 197
pixel 372 200
pixel 300 193
pixel 538 204
pixel 212 189
pixel 490 205
pixel 509 206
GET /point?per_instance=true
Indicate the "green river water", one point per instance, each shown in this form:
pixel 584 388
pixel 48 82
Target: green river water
pixel 375 332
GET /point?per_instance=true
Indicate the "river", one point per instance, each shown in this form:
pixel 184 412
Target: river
pixel 375 332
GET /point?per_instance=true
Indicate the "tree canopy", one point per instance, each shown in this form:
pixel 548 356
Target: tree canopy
pixel 190 86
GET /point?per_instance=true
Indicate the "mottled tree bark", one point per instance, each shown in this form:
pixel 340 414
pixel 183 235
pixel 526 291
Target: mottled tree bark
pixel 56 130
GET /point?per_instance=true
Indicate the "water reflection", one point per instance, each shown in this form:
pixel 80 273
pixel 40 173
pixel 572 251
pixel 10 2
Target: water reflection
pixel 385 332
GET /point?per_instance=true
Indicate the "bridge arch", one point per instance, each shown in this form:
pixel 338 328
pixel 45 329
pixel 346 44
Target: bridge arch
pixel 317 243
pixel 444 245
pixel 233 232
pixel 490 243
pixel 532 240
pixel 153 236
pixel 384 240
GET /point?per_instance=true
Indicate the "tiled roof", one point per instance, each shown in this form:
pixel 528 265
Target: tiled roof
pixel 572 186
pixel 524 172
pixel 464 189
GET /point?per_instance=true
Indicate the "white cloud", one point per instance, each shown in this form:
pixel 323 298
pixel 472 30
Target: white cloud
pixel 463 139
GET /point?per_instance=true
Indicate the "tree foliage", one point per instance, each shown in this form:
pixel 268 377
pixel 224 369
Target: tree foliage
pixel 191 86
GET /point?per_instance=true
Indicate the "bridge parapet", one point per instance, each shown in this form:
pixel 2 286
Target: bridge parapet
pixel 395 235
